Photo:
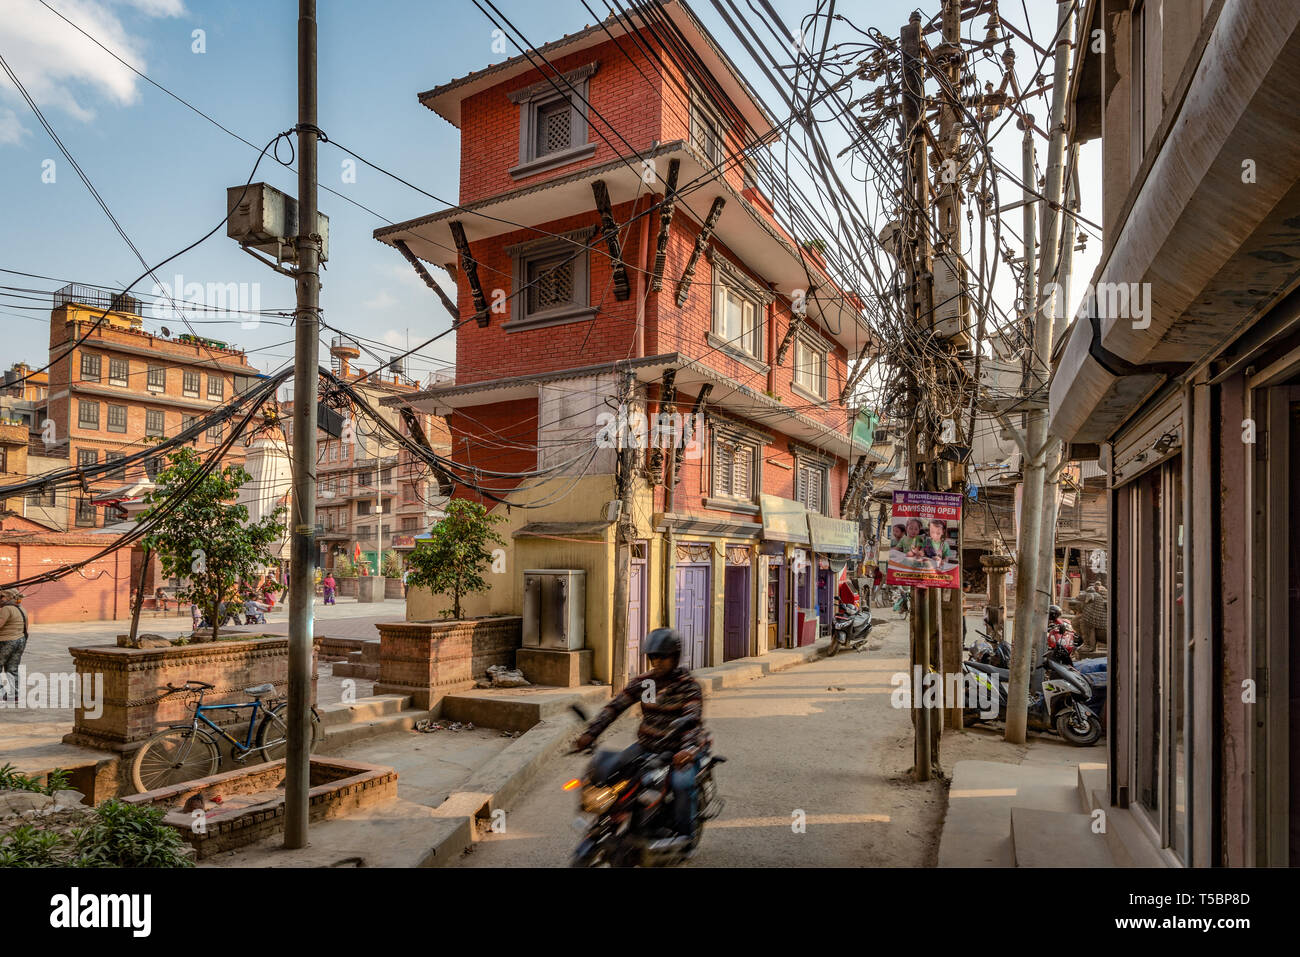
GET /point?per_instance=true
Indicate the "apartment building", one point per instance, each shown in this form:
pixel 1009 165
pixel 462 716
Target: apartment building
pixel 566 303
pixel 113 393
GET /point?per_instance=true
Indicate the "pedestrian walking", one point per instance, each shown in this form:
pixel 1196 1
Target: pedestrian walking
pixel 329 584
pixel 406 573
pixel 13 641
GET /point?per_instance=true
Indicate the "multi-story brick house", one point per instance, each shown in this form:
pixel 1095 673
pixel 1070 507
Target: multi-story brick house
pixel 121 387
pixel 561 321
pixel 371 497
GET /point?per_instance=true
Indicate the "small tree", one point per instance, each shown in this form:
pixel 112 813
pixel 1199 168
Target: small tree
pixel 451 561
pixel 392 565
pixel 207 541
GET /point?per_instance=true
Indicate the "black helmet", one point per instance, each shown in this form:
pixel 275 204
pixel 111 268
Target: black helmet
pixel 1054 612
pixel 663 643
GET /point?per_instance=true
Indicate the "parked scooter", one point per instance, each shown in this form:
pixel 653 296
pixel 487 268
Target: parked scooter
pixel 1058 696
pixel 630 793
pixel 850 628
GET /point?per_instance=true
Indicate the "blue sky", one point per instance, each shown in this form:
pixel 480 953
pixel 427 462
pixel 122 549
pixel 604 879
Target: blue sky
pixel 164 171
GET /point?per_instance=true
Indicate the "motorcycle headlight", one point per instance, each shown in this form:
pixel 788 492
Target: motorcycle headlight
pixel 598 800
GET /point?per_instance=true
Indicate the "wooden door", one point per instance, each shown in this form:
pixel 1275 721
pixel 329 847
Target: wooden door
pixel 735 613
pixel 693 613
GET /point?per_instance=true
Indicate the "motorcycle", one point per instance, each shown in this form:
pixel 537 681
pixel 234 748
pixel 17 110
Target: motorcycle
pixel 850 628
pixel 989 652
pixel 630 793
pixel 1058 695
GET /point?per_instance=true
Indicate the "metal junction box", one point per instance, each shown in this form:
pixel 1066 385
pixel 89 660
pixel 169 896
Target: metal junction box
pixel 555 606
pixel 265 219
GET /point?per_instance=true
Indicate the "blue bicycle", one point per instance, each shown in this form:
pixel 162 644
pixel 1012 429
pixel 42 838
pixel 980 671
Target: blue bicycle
pixel 185 752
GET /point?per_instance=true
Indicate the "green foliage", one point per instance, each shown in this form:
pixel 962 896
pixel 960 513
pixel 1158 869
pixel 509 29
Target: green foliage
pixel 452 560
pixel 392 565
pixel 117 835
pixel 11 780
pixel 208 542
pixel 343 567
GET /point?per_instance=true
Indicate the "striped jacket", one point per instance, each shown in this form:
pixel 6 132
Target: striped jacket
pixel 663 701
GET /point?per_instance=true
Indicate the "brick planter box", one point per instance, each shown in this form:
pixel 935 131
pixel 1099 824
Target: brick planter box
pixel 252 805
pixel 370 588
pixel 393 588
pixel 431 659
pixel 134 680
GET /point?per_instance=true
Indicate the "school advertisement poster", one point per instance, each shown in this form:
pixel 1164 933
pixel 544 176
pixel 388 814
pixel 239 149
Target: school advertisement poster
pixel 923 537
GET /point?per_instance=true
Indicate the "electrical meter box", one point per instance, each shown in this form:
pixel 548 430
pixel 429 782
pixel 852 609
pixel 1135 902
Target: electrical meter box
pixel 555 606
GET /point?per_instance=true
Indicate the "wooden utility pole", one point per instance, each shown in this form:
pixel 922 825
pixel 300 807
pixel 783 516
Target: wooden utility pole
pixel 667 408
pixel 305 373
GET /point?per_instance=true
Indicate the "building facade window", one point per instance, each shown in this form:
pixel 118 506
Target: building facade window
pixel 152 466
pixel 216 387
pixel 553 122
pixel 550 276
pixel 334 451
pixel 739 308
pixel 187 421
pixel 43 498
pixel 810 485
pixel 87 514
pixel 87 458
pixel 87 414
pixel 91 367
pixel 119 372
pixel 157 378
pixel 708 134
pixel 214 433
pixel 810 363
pixel 118 474
pixel 190 383
pixel 735 472
pixel 154 422
pixel 116 418
pixel 410 524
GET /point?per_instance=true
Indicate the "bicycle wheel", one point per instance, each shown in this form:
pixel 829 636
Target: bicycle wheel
pixel 172 757
pixel 273 733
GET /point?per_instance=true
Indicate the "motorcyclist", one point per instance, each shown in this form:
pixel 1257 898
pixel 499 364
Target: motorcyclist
pixel 667 692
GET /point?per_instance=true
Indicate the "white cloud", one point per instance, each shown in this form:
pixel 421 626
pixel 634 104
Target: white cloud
pixel 381 300
pixel 64 70
pixel 11 131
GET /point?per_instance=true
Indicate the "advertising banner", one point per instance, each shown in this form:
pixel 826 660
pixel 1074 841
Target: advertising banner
pixel 923 536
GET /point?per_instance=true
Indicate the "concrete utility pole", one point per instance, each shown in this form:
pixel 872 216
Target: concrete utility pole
pixel 916 206
pixel 1040 503
pixel 624 532
pixel 305 373
pixel 949 206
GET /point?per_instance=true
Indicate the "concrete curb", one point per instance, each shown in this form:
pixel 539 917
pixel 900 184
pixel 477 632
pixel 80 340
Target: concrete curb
pixel 498 782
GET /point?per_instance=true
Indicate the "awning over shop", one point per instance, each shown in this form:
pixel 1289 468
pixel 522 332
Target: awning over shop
pixel 784 520
pixel 835 536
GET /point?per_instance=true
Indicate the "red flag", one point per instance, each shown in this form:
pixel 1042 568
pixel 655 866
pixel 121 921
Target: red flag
pixel 356 552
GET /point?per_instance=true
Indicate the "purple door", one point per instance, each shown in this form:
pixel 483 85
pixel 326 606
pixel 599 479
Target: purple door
pixel 735 613
pixel 693 613
pixel 635 618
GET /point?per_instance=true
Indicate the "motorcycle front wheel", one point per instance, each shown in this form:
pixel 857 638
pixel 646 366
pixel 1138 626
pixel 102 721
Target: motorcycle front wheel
pixel 1069 725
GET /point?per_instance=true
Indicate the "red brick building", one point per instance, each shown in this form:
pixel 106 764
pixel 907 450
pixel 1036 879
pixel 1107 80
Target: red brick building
pixel 743 319
pixel 122 386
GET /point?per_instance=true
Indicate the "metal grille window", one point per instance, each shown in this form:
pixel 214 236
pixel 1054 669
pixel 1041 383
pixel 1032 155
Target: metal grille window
pixel 157 378
pixel 119 371
pixel 216 387
pixel 87 514
pixel 87 414
pixel 118 474
pixel 154 422
pixel 190 383
pixel 87 457
pixel 551 277
pixel 117 418
pixel 91 367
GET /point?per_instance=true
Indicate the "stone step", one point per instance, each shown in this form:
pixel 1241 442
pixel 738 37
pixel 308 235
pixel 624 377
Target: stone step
pixel 518 709
pixel 1092 788
pixel 340 735
pixel 356 669
pixel 1042 838
pixel 363 709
